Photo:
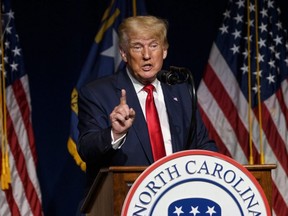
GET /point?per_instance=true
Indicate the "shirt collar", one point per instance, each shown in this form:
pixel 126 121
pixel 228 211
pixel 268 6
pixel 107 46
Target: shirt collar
pixel 139 86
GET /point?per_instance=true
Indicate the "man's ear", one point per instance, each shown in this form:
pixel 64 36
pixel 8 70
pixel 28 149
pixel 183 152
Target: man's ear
pixel 123 55
pixel 165 53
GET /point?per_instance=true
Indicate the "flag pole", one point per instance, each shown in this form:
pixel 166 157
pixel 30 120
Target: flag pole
pixel 5 173
pixel 262 158
pixel 251 161
pixel 134 7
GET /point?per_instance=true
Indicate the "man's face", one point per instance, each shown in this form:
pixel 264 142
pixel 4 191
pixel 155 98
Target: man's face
pixel 144 57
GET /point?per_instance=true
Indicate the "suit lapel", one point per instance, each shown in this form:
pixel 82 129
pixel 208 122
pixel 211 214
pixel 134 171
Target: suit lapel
pixel 174 111
pixel 139 124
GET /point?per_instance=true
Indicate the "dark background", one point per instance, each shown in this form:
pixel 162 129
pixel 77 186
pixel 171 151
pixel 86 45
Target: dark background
pixel 56 37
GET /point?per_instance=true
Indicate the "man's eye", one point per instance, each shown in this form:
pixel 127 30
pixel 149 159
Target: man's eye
pixel 154 46
pixel 137 48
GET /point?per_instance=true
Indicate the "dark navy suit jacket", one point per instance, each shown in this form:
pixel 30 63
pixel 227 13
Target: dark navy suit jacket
pixel 97 100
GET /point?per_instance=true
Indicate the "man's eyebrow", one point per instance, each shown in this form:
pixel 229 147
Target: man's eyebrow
pixel 133 43
pixel 139 42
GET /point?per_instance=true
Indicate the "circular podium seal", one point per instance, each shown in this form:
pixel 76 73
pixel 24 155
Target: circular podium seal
pixel 196 183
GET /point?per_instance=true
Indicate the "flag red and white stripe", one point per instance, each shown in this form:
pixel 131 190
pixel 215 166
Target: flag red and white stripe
pixel 222 93
pixel 224 111
pixel 22 196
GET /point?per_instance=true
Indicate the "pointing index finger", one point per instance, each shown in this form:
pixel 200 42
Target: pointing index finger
pixel 123 97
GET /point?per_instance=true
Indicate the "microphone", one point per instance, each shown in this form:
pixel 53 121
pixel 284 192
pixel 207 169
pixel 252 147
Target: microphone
pixel 175 75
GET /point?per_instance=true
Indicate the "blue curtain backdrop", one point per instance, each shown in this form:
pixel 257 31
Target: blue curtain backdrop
pixel 56 37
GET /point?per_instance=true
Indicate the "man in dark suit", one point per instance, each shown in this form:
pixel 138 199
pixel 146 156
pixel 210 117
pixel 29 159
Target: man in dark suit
pixel 112 119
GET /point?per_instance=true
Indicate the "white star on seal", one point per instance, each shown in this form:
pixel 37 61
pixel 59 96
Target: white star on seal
pixel 210 210
pixel 194 211
pixel 178 211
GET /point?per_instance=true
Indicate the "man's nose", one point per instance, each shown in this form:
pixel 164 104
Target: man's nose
pixel 146 52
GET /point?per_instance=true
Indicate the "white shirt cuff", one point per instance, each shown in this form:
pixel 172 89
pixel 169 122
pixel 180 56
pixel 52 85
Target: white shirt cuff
pixel 116 144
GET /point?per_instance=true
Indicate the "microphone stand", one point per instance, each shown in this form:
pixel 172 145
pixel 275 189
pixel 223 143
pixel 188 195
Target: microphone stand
pixel 193 126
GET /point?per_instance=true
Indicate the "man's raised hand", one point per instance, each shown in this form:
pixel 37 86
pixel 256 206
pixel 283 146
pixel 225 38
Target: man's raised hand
pixel 121 117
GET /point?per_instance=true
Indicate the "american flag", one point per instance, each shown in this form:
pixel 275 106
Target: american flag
pixel 243 95
pixel 20 192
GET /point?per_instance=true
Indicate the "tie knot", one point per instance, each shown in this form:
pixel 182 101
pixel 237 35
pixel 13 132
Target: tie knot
pixel 148 88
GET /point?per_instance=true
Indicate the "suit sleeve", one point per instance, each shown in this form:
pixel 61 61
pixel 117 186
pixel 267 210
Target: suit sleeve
pixel 94 143
pixel 203 141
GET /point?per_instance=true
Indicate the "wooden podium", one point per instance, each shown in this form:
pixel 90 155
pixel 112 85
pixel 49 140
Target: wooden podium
pixel 263 174
pixel 107 194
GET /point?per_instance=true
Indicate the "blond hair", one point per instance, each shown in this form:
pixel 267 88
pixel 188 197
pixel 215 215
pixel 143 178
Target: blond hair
pixel 150 26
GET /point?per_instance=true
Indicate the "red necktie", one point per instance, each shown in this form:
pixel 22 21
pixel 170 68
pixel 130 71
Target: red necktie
pixel 153 124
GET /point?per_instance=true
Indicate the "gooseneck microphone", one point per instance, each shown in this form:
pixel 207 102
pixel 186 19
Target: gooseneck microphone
pixel 175 75
pixel 178 75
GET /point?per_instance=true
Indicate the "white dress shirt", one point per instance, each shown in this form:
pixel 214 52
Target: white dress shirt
pixel 161 108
